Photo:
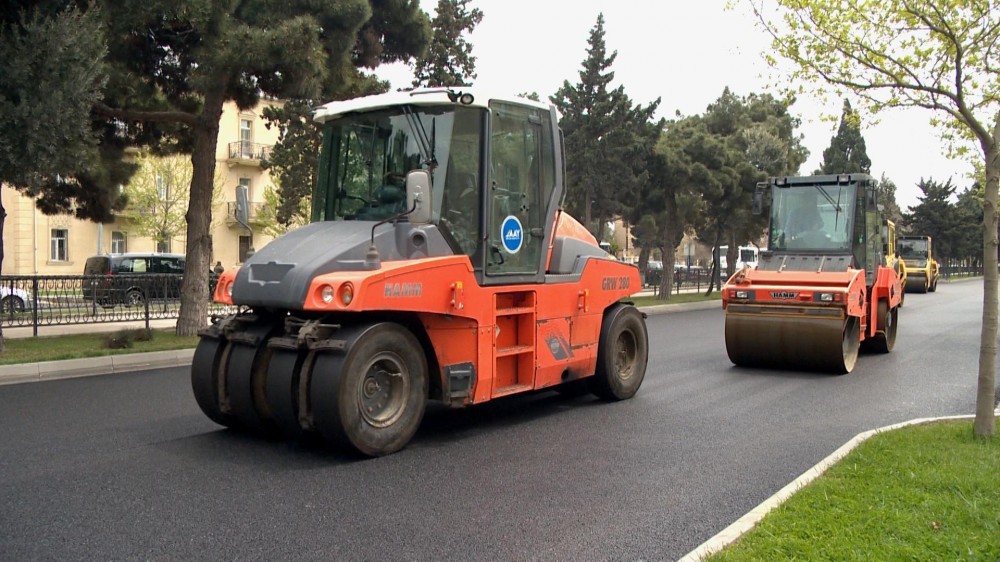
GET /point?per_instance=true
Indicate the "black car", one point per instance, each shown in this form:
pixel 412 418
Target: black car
pixel 131 279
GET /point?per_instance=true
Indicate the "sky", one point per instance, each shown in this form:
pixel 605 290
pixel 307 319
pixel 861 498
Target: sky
pixel 684 52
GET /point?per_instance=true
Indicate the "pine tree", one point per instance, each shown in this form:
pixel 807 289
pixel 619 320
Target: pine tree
pixel 934 216
pixel 846 153
pixel 607 139
pixel 449 61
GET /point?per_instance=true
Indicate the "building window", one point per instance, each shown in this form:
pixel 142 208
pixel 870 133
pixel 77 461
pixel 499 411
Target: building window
pixel 59 246
pixel 119 242
pixel 163 246
pixel 162 190
pixel 245 182
pixel 244 251
pixel 246 138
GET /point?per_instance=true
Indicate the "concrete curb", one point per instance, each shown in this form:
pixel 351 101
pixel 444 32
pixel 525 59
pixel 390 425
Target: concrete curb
pixel 70 368
pixel 744 524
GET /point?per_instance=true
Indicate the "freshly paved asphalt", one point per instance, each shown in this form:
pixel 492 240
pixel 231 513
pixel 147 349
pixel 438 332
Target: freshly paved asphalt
pixel 125 466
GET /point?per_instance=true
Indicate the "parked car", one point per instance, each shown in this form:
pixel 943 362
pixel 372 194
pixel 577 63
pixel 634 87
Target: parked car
pixel 14 300
pixel 132 278
pixel 654 273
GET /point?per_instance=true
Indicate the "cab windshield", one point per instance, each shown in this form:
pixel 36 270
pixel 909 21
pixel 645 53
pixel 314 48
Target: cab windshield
pixel 812 217
pixel 366 157
pixel 913 249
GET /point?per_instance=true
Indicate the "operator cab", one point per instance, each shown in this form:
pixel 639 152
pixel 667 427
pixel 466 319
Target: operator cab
pixel 493 165
pixel 832 217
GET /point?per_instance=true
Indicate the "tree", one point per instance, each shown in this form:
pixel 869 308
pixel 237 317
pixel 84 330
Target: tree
pixel 886 189
pixel 158 196
pixel 271 220
pixel 934 216
pixel 448 60
pixel 678 172
pixel 51 74
pixel 846 153
pixel 177 62
pixel 607 139
pixel 756 139
pixel 928 54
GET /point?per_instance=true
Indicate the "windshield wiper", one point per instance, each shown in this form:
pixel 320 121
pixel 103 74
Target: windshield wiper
pixel 423 143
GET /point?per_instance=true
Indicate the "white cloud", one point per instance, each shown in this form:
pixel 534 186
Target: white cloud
pixel 685 53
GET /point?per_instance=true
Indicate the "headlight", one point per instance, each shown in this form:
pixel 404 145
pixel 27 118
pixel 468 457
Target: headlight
pixel 742 294
pixel 229 289
pixel 346 293
pixel 326 293
pixel 826 297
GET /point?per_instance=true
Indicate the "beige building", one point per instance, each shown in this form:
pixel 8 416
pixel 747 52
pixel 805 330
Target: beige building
pixel 59 245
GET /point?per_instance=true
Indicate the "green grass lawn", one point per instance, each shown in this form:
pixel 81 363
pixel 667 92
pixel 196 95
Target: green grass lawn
pixel 54 348
pixel 928 492
pixel 649 300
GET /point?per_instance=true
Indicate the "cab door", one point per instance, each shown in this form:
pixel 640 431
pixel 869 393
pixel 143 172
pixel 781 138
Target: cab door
pixel 521 180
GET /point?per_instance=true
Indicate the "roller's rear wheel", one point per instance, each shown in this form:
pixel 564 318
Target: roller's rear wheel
pixel 371 396
pixel 885 336
pixel 622 353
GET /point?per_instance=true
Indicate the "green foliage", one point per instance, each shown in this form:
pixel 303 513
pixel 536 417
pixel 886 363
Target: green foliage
pixel 934 216
pixel 919 493
pixel 846 153
pixel 268 214
pixel 448 60
pixel 608 140
pixel 921 53
pixel 294 158
pixel 886 190
pixel 51 73
pixel 158 196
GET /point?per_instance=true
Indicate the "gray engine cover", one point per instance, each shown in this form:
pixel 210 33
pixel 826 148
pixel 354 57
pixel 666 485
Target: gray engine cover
pixel 278 276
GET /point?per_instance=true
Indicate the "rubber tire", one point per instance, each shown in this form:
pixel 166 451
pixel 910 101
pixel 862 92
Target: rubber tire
pixel 623 337
pixel 886 324
pixel 11 303
pixel 337 382
pixel 134 297
pixel 933 286
pixel 210 358
pixel 246 375
pixel 282 391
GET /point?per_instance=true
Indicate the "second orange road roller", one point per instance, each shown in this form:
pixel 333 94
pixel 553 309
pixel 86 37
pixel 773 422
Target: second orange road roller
pixel 821 291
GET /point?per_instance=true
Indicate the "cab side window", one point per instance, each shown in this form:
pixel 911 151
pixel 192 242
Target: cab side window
pixel 521 178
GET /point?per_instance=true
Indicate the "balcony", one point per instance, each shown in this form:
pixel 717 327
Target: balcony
pixel 250 153
pixel 253 213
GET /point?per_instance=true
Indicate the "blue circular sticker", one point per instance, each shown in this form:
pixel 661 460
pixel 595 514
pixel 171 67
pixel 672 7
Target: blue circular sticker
pixel 512 234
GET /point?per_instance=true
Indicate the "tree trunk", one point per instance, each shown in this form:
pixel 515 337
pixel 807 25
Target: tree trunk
pixel 194 288
pixel 986 394
pixel 671 233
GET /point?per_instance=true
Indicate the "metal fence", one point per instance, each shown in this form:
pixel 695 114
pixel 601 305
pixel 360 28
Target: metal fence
pixel 52 300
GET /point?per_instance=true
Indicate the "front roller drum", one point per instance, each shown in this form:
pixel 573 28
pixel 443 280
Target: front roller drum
pixel 791 342
pixel 370 396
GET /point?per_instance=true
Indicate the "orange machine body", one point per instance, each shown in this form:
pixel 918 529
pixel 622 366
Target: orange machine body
pixel 518 337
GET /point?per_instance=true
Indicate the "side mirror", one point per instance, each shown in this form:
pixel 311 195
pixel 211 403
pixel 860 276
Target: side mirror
pixel 418 196
pixel 242 206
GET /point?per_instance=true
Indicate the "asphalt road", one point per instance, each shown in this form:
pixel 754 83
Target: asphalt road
pixel 126 467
